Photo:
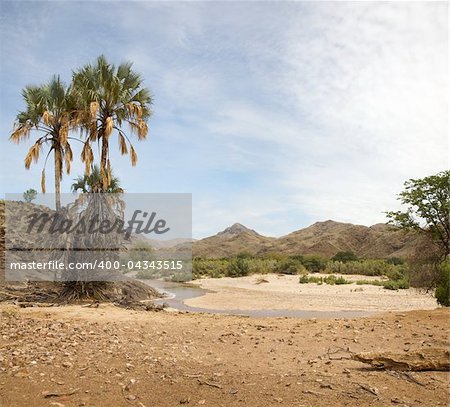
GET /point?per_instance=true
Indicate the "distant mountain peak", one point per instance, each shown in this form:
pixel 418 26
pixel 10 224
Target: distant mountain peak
pixel 326 222
pixel 325 238
pixel 237 229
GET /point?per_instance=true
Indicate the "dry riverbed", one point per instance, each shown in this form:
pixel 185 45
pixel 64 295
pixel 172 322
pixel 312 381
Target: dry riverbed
pixel 108 356
pixel 283 292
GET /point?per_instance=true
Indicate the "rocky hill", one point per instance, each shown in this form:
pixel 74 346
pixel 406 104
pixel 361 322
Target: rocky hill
pixel 231 241
pixel 322 238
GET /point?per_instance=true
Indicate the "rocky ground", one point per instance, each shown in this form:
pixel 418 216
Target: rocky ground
pixel 108 356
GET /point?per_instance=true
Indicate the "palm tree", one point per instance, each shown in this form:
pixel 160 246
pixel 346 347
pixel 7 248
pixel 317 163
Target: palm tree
pixel 50 111
pixel 111 97
pixel 93 183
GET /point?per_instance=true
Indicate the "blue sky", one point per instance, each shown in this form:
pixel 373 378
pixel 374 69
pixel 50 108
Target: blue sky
pixel 275 115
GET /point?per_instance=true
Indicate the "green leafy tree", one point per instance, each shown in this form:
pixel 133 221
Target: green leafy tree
pixel 29 195
pixel 50 112
pixel 443 289
pixel 427 202
pixel 110 98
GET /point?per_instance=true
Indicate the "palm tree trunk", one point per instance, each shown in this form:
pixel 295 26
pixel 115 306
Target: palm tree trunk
pixel 103 164
pixel 58 164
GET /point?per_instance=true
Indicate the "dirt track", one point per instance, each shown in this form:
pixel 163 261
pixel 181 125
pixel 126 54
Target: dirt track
pixel 113 357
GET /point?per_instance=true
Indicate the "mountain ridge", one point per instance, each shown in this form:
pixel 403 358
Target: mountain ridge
pixel 325 238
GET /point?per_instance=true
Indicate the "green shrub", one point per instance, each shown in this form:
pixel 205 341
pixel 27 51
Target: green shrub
pixel 244 255
pixel 238 267
pixel 304 279
pixel 443 287
pixel 262 265
pixel 314 264
pixel 290 266
pixel 214 268
pixel 341 280
pixel 396 261
pixel 344 257
pixel 388 284
pixel 370 282
pixel 396 275
pixel 310 279
pixel 275 256
pixel 29 195
pixel 396 284
pixel 331 280
pixel 367 268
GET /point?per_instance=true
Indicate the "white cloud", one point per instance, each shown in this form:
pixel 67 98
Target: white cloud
pixel 273 115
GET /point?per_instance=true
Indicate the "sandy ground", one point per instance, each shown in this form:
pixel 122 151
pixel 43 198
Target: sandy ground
pixel 107 356
pixel 283 292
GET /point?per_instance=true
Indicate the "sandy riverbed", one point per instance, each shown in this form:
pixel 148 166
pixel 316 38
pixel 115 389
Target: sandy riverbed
pixel 283 292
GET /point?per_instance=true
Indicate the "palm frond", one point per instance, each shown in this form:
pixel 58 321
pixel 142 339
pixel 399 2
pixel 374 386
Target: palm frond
pixel 33 155
pixel 20 133
pixel 68 157
pixel 122 145
pixel 133 156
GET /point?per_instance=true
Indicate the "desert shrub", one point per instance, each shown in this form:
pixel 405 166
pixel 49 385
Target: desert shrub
pixel 396 284
pixel 180 277
pixel 238 267
pixel 345 256
pixel 388 284
pixel 290 266
pixel 297 257
pixel 214 268
pixel 396 274
pixel 262 265
pixel 244 255
pixel 370 282
pixel 332 280
pixel 395 260
pixel 366 267
pixel 314 264
pixel 275 256
pixel 443 287
pixel 304 279
pixel 29 195
pixel 341 280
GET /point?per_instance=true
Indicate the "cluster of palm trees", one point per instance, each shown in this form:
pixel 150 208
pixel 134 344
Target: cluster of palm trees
pixel 99 102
